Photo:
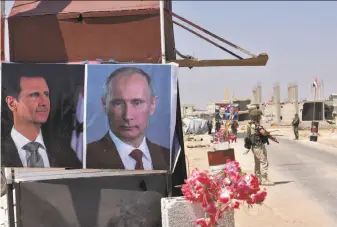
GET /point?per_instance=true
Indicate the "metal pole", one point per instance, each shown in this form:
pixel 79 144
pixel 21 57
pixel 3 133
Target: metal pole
pixel 208 40
pixel 2 23
pixel 313 118
pixel 213 35
pixel 9 174
pixel 162 31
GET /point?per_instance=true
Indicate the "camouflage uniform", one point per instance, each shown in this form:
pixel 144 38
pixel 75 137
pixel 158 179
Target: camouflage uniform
pixel 295 123
pixel 258 148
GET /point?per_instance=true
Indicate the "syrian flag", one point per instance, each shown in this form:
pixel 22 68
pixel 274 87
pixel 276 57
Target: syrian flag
pixel 315 84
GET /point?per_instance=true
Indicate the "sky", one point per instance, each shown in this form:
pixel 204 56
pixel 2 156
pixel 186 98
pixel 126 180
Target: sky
pixel 299 37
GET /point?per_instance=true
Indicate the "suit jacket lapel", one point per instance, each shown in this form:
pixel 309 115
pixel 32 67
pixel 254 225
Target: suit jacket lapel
pixel 10 156
pixel 112 156
pixel 158 161
pixel 49 151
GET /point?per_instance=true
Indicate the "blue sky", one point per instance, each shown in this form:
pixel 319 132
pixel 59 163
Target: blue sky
pixel 299 37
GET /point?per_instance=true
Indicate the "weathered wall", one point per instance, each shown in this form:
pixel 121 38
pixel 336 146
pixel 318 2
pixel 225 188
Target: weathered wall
pixel 287 113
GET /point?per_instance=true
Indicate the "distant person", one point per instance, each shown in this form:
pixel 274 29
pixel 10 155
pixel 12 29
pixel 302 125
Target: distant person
pixel 210 126
pixel 28 99
pixel 295 123
pixel 217 126
pixel 128 101
pixel 234 129
pixel 221 114
pixel 232 115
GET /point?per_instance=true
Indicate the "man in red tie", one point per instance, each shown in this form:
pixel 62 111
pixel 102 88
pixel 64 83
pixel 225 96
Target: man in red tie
pixel 128 101
pixel 232 114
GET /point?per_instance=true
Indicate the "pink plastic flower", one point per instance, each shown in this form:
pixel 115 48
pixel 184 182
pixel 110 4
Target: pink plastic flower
pixel 218 193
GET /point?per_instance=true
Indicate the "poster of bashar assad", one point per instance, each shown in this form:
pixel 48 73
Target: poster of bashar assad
pixel 131 115
pixel 39 115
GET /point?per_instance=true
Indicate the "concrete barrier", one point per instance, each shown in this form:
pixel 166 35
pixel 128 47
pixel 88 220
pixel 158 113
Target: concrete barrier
pixel 178 212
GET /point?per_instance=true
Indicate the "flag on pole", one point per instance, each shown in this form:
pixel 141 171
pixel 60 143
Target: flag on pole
pixel 315 84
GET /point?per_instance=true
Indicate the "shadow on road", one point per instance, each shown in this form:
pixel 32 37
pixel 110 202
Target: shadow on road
pixel 291 164
pixel 241 135
pixel 282 182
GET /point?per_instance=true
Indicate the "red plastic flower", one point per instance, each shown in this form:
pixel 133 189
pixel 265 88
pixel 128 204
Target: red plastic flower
pixel 223 191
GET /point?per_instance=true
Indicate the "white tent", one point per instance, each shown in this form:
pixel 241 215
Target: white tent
pixel 194 125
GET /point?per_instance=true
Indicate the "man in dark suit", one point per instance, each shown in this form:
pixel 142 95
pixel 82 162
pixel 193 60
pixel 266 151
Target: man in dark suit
pixel 128 101
pixel 221 114
pixel 232 115
pixel 28 99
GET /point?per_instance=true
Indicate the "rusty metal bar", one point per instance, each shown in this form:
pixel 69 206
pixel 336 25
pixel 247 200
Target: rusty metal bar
pixel 260 60
pixel 212 34
pixel 183 56
pixel 208 40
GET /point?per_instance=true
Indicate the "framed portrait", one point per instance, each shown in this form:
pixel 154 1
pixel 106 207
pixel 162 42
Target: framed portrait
pixel 42 115
pixel 224 111
pixel 130 116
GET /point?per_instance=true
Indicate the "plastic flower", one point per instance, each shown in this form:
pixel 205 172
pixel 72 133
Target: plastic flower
pixel 223 191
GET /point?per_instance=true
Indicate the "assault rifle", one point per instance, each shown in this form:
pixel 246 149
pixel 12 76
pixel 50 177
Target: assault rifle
pixel 272 138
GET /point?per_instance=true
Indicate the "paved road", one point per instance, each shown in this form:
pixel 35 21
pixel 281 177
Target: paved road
pixel 312 167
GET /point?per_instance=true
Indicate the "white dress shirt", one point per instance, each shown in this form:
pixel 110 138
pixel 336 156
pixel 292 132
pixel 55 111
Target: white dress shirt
pixel 125 149
pixel 20 141
pixel 77 142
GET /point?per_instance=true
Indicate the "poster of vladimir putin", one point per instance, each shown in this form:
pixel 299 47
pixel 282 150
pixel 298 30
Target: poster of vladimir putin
pixel 131 115
pixel 38 111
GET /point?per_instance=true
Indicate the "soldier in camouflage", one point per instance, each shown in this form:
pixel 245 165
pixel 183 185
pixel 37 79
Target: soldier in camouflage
pixel 295 123
pixel 257 136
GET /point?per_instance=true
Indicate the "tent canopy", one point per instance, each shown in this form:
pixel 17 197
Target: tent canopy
pixel 194 125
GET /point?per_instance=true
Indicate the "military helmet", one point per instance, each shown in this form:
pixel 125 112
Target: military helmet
pixel 255 115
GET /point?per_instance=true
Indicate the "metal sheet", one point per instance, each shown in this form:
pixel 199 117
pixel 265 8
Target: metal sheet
pixel 46 7
pixel 132 200
pixel 39 32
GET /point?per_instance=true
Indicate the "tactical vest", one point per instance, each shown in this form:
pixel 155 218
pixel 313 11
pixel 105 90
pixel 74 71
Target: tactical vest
pixel 254 135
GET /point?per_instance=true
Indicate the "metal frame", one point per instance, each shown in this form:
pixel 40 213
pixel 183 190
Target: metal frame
pixel 190 62
pixel 187 61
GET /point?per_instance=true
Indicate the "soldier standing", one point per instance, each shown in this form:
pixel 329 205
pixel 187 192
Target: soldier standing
pixel 258 136
pixel 295 123
pixel 217 125
pixel 210 126
pixel 234 129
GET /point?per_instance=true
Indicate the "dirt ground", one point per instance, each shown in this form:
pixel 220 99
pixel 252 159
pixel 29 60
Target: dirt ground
pixel 286 205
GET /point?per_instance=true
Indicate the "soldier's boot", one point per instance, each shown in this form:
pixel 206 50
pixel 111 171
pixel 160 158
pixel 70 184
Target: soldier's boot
pixel 264 181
